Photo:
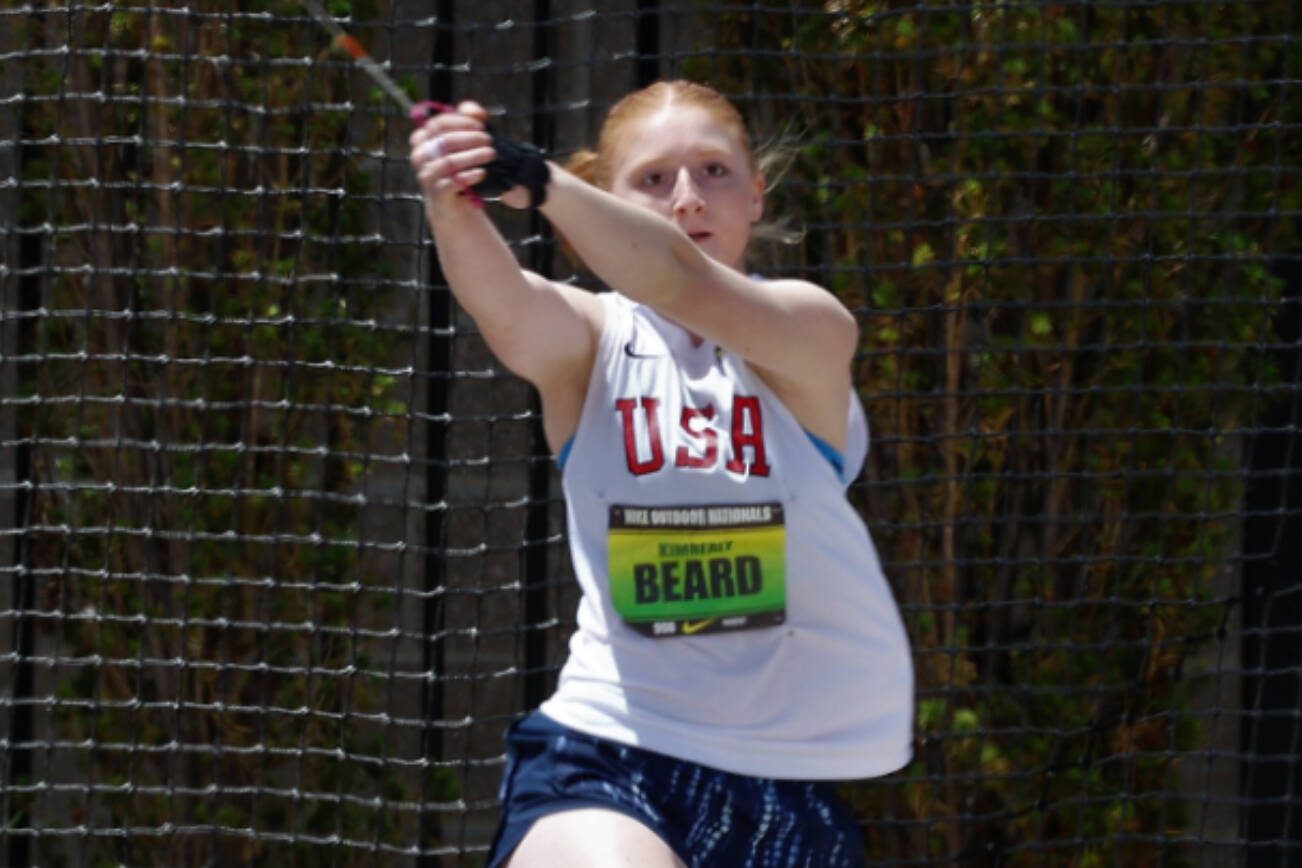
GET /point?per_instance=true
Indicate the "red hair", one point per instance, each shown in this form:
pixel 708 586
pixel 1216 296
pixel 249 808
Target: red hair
pixel 596 167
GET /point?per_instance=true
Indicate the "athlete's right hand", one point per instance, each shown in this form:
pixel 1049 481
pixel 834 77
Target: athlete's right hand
pixel 448 153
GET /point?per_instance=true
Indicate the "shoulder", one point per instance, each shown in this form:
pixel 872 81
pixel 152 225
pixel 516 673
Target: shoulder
pixel 564 321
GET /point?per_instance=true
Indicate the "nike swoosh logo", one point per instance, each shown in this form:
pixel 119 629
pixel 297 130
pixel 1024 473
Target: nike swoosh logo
pixel 690 627
pixel 629 351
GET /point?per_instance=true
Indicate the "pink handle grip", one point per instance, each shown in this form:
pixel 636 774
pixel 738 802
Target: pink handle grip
pixel 423 111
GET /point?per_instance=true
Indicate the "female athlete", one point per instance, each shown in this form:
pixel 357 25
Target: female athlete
pixel 738 650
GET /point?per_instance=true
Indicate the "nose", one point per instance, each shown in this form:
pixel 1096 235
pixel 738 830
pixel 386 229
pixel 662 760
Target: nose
pixel 687 197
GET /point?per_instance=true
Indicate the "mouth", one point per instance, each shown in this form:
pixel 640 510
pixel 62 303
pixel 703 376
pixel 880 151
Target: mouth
pixel 698 237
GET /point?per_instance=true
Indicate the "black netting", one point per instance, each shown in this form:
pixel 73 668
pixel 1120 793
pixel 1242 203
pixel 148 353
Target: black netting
pixel 281 548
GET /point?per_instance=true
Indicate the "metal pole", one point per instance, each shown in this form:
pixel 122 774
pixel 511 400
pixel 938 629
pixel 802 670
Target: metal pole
pixel 648 42
pixel 439 363
pixel 536 679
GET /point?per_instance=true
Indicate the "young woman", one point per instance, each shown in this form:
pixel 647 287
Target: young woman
pixel 738 649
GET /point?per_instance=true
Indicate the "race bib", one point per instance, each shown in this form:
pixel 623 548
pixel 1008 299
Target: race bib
pixel 686 570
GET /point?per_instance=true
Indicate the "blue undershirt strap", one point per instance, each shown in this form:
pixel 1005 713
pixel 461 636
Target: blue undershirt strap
pixel 829 452
pixel 565 453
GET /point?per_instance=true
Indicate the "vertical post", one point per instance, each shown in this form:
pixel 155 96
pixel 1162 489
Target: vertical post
pixel 21 728
pixel 536 681
pixel 1271 768
pixel 648 42
pixel 14 339
pixel 437 406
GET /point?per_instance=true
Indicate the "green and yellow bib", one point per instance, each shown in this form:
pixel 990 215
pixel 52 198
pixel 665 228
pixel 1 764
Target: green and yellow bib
pixel 686 570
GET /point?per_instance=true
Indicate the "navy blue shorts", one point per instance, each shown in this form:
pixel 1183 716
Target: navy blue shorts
pixel 708 817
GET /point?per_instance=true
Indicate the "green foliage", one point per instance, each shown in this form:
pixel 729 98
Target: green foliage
pixel 1055 222
pixel 210 308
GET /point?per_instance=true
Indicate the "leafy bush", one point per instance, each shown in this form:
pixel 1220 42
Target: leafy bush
pixel 212 379
pixel 1055 222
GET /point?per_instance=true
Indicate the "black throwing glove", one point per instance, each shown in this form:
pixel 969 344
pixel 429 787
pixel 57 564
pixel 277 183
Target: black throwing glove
pixel 518 164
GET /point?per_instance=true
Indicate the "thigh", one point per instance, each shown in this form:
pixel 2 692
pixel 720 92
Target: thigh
pixel 582 837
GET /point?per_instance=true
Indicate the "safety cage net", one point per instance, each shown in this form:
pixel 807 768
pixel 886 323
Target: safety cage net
pixel 282 549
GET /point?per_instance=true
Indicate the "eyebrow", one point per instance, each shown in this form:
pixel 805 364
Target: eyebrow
pixel 707 151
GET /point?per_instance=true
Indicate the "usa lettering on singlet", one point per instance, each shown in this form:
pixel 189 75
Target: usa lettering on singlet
pixel 644 432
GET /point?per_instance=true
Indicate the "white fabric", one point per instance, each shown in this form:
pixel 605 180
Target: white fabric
pixel 828 694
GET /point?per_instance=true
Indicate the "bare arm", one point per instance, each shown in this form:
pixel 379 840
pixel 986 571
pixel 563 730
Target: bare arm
pixel 798 335
pixel 543 331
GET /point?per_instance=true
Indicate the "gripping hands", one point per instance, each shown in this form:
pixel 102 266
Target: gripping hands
pixel 457 147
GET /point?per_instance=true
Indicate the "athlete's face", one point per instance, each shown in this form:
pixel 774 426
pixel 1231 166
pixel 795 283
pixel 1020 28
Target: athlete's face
pixel 682 163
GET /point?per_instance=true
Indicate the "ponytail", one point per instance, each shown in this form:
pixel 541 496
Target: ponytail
pixel 585 164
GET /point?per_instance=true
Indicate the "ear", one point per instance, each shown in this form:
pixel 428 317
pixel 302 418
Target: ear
pixel 757 199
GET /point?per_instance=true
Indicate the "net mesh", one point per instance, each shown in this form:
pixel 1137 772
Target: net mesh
pixel 281 548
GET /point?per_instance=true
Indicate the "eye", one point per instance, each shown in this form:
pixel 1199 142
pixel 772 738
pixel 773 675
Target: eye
pixel 716 170
pixel 651 180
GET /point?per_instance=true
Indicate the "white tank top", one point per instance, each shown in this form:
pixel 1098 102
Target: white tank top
pixel 734 611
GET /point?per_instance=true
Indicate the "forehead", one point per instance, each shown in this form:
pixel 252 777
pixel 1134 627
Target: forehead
pixel 676 131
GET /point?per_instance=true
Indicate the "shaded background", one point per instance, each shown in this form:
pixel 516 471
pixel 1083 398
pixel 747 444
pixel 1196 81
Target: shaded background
pixel 281 549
